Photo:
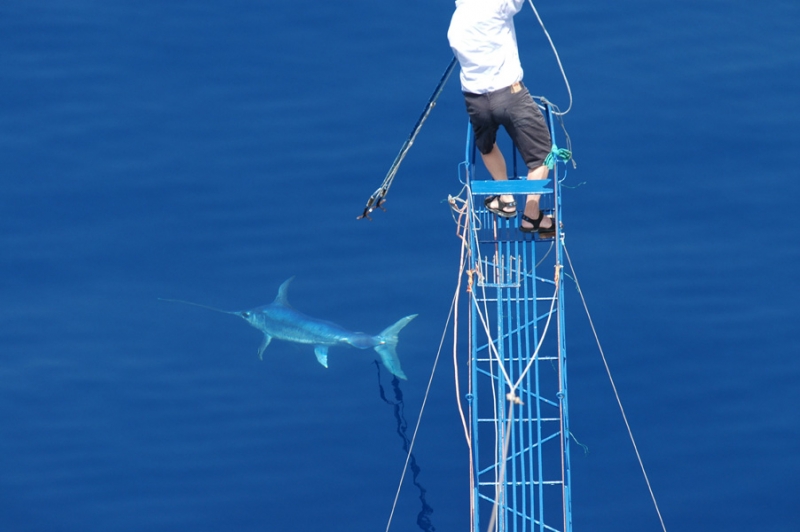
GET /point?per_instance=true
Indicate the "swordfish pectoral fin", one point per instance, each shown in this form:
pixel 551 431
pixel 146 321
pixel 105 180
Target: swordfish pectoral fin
pixel 322 354
pixel 264 344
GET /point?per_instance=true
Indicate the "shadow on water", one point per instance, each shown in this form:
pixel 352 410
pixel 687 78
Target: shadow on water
pixel 423 517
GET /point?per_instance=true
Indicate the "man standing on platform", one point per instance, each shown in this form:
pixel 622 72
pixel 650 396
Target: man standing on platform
pixel 483 38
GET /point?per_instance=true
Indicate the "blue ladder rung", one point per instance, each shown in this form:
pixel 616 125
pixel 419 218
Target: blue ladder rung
pixel 514 186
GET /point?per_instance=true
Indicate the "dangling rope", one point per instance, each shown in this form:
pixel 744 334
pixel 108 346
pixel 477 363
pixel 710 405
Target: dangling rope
pixel 461 224
pixel 614 387
pixel 558 60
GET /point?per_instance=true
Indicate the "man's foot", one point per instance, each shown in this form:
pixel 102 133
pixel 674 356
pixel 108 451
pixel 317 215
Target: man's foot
pixel 543 224
pixel 548 229
pixel 501 206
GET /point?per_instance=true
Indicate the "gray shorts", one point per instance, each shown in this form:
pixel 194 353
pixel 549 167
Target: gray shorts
pixel 519 114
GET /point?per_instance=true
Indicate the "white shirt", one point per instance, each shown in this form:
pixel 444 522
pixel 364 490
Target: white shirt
pixel 482 36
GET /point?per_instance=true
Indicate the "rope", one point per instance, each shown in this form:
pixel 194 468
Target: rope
pixel 462 225
pixel 498 493
pixel 558 59
pixel 462 207
pixel 455 350
pixel 541 340
pixel 616 393
pixel 557 153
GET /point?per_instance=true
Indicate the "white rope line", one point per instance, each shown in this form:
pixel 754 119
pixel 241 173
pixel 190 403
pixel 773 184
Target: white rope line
pixel 544 335
pixel 616 393
pixel 456 300
pixel 558 59
pixel 474 221
pixel 490 344
pixel 483 319
pixel 472 499
pixel 498 492
pixel 462 230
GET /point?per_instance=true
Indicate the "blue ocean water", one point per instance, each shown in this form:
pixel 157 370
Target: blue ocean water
pixel 208 151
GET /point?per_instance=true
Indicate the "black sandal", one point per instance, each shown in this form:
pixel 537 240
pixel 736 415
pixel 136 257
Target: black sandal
pixel 544 232
pixel 501 206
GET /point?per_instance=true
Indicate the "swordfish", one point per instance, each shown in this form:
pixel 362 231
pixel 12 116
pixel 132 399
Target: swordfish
pixel 278 320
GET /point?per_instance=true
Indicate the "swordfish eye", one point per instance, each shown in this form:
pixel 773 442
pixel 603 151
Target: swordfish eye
pixel 245 314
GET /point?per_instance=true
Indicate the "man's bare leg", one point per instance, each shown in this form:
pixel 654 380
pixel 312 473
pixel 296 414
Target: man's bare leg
pixel 532 201
pixel 496 164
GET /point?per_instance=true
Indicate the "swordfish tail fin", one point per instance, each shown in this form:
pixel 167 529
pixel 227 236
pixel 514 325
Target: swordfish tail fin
pixel 387 345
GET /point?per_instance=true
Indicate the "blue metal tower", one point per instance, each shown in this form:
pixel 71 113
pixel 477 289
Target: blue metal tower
pixel 518 417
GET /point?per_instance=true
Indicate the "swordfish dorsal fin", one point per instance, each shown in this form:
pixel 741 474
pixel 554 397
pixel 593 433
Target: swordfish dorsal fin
pixel 283 298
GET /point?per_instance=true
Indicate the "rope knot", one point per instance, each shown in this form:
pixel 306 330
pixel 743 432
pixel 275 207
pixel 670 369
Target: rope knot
pixel 561 153
pixel 514 399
